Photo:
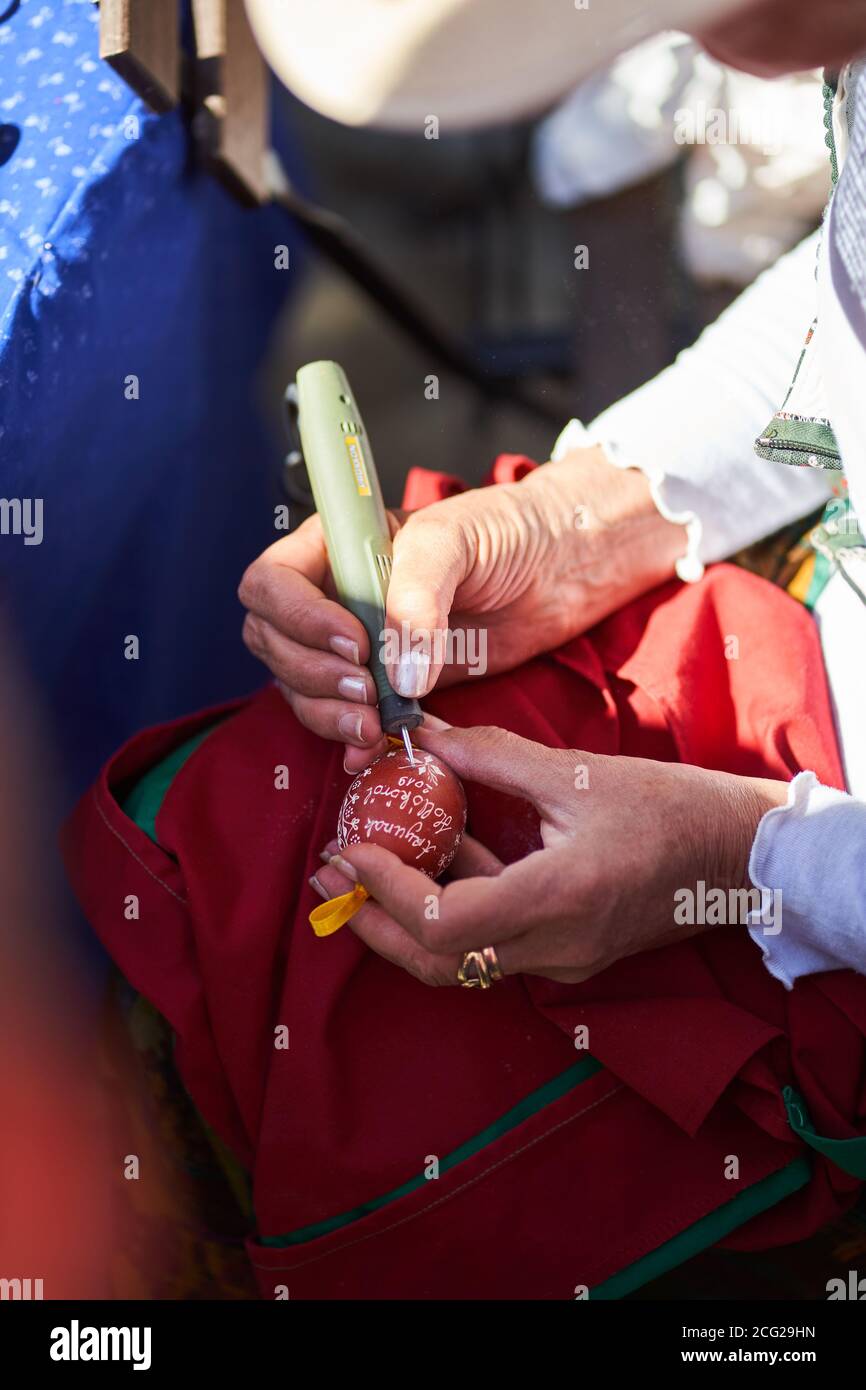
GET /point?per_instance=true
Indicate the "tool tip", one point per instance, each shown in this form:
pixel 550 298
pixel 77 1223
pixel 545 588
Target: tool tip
pixel 408 744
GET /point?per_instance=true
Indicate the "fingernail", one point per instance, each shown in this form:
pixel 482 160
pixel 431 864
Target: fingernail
pixel 319 887
pixel 411 676
pixel 344 646
pixel 338 862
pixel 432 721
pixel 350 725
pixel 353 688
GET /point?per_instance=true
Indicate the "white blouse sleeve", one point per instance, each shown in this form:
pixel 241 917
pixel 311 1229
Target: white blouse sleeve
pixel 809 861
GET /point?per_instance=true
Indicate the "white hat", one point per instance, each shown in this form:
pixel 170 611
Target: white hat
pixel 395 63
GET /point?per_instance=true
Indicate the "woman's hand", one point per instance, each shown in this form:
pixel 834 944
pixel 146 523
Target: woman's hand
pixel 512 570
pixel 623 837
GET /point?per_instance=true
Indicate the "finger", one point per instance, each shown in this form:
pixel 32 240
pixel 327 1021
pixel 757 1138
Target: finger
pixel 305 669
pixel 284 587
pixel 388 939
pixel 372 925
pixel 338 720
pixel 504 761
pixel 474 860
pixel 321 884
pixel 432 556
pixel 329 883
pixel 522 954
pixel 466 914
pixel 356 759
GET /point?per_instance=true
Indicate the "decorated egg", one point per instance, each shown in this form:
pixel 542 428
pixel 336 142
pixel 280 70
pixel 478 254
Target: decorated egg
pixel 415 809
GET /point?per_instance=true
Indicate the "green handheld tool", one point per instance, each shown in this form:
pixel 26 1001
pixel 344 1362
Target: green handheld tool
pixel 339 461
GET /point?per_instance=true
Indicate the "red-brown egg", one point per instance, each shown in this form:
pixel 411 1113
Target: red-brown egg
pixel 418 812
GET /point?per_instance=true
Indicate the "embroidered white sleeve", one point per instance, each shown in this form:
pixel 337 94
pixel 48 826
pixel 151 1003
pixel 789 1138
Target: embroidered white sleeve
pixel 691 430
pixel 809 860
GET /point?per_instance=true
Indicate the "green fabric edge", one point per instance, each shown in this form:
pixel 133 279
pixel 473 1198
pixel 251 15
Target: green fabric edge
pixel 143 802
pixel 821 576
pixel 552 1090
pixel 847 1154
pixel 709 1230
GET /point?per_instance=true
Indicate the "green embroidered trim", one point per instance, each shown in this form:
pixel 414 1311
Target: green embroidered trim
pixel 143 803
pixel 795 440
pixel 799 439
pixel 530 1105
pixel 828 92
pixel 709 1230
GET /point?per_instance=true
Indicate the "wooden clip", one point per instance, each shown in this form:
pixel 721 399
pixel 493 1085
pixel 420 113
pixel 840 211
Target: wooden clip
pixel 140 39
pixel 232 97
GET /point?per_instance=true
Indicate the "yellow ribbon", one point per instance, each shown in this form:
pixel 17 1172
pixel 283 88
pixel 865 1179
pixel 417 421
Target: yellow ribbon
pixel 330 916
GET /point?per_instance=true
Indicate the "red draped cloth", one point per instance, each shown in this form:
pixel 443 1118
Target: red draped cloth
pixel 383 1076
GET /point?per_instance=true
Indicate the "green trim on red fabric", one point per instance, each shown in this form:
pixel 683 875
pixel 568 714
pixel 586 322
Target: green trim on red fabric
pixel 702 1234
pixel 551 1090
pixel 847 1154
pixel 708 1231
pixel 143 803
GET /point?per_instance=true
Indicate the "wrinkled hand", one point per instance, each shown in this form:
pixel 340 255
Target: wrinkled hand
pixel 528 565
pixel 620 835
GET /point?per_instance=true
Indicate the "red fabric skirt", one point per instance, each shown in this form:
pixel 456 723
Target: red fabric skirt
pixel 411 1142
